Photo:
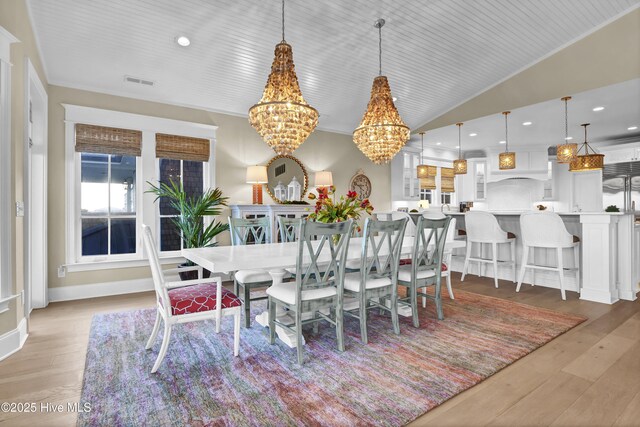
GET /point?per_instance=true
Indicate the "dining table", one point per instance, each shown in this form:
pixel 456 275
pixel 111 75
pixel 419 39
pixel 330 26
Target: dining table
pixel 276 258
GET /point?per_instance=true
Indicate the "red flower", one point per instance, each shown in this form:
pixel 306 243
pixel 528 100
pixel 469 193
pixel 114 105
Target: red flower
pixel 352 194
pixel 364 203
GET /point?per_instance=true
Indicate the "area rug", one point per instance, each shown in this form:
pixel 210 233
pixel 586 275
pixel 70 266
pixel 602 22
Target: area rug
pixel 389 382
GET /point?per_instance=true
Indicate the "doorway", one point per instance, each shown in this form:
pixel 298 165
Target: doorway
pixel 35 192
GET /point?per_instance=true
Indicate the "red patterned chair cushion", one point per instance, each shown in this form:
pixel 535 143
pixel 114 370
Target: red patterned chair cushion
pixel 407 261
pixel 197 298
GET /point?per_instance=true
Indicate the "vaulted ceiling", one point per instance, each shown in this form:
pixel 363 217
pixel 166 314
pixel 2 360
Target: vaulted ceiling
pixel 436 53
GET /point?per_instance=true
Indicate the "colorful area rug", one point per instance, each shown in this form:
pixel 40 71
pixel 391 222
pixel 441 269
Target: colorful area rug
pixel 391 381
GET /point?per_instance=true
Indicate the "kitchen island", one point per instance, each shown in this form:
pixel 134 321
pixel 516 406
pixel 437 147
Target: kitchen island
pixel 609 255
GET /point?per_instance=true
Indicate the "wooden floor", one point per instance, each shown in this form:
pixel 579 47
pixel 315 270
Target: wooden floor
pixel 589 376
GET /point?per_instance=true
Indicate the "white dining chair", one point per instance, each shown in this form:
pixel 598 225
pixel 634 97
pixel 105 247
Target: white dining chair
pixel 483 228
pixel 547 230
pixel 188 301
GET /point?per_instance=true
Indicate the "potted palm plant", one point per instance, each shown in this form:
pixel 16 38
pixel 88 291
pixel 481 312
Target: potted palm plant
pixel 190 220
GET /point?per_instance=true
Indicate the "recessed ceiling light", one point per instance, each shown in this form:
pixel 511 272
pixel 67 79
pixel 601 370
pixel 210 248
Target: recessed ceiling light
pixel 503 142
pixel 632 128
pixel 526 124
pixel 598 109
pixel 569 138
pixel 472 134
pixel 438 143
pixel 183 41
pixel 457 146
pixel 394 98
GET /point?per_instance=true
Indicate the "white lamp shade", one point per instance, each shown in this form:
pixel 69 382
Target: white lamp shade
pixel 257 175
pixel 324 179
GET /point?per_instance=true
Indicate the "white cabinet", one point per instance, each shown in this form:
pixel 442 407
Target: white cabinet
pixel 405 184
pixel 271 211
pixel 472 187
pixel 479 181
pixel 619 155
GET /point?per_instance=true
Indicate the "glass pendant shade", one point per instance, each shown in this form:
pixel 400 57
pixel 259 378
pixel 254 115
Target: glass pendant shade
pixel 589 160
pixel 566 151
pixel 460 167
pixel 283 118
pixel 506 160
pixel 382 132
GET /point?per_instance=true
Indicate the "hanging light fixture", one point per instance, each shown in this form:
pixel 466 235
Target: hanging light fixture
pixel 507 160
pixel 590 160
pixel 460 165
pixel 282 117
pixel 566 151
pixel 426 173
pixel 381 133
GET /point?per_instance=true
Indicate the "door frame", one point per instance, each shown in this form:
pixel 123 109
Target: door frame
pixel 35 202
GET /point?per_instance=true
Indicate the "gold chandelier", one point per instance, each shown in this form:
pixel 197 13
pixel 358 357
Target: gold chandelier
pixel 282 117
pixel 590 160
pixel 381 133
pixel 566 152
pixel 459 165
pixel 506 160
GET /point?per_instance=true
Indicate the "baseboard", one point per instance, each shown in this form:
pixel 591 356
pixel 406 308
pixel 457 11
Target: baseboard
pixel 13 341
pixel 95 290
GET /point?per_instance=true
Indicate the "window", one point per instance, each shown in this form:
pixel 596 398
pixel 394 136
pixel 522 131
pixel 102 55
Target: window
pixel 108 163
pixel 445 198
pixel 426 195
pixel 190 175
pixel 108 204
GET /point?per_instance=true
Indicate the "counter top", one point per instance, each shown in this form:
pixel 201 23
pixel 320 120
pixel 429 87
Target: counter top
pixel 521 212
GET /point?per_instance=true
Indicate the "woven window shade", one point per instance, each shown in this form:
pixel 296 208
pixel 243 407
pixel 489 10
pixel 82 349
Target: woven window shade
pixel 106 140
pixel 446 180
pixel 182 147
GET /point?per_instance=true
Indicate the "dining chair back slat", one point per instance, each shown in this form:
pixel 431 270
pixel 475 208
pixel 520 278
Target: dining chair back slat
pixel 254 231
pixel 289 229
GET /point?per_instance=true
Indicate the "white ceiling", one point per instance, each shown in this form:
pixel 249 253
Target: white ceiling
pixel 437 53
pixel 621 104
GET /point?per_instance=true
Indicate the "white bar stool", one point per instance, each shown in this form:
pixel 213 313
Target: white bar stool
pixel 547 230
pixel 483 227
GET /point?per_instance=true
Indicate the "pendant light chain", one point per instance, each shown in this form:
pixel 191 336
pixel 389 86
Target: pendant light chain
pixel 459 139
pixel 421 147
pixel 506 131
pixel 282 20
pixel 380 50
pixel 566 119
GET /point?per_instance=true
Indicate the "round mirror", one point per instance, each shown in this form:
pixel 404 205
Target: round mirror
pixel 287 179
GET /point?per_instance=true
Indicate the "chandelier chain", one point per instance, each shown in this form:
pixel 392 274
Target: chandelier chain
pixel 459 139
pixel 380 50
pixel 506 132
pixel 282 20
pixel 566 120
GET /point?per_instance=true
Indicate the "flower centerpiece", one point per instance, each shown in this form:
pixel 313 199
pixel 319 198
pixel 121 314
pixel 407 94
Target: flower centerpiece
pixel 328 210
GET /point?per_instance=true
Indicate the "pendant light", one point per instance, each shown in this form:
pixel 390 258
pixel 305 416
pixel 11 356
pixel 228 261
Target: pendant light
pixel 381 133
pixel 590 160
pixel 507 160
pixel 566 151
pixel 460 165
pixel 425 173
pixel 282 117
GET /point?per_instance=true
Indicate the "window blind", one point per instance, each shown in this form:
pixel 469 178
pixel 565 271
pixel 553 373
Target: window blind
pixel 107 140
pixel 447 180
pixel 182 147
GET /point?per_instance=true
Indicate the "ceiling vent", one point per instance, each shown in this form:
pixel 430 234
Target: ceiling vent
pixel 138 81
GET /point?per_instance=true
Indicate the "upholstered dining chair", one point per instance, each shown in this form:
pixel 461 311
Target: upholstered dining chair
pixel 188 301
pixel 426 264
pixel 250 231
pixel 376 280
pixel 314 289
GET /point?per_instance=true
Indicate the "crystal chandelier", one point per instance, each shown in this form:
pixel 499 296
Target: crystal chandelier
pixel 590 160
pixel 381 133
pixel 566 152
pixel 506 160
pixel 459 165
pixel 282 117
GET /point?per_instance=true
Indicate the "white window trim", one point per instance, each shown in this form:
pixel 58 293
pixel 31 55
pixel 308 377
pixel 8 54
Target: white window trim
pixel 6 213
pixel 146 171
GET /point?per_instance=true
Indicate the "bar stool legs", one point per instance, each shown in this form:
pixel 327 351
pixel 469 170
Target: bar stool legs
pixel 493 260
pixel 559 268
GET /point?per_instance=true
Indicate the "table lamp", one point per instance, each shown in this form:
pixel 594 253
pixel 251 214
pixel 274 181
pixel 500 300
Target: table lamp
pixel 257 175
pixel 323 179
